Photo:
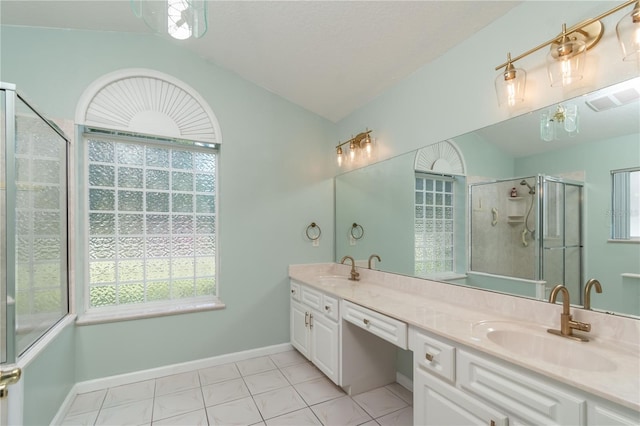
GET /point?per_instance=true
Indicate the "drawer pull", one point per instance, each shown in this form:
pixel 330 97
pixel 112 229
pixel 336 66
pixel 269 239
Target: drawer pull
pixel 493 423
pixel 293 291
pixel 366 321
pixel 311 320
pixel 327 308
pixel 306 319
pixel 429 358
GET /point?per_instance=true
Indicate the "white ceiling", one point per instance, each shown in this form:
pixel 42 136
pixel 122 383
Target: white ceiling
pixel 330 57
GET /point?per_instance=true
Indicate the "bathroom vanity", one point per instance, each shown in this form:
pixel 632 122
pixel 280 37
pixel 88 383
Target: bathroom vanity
pixel 478 357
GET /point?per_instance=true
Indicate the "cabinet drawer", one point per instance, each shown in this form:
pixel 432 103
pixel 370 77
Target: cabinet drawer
pixel 432 355
pixel 388 328
pixel 295 291
pixel 330 307
pixel 530 399
pixel 312 298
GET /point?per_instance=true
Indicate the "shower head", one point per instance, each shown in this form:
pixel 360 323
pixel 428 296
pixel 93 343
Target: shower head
pixel 532 190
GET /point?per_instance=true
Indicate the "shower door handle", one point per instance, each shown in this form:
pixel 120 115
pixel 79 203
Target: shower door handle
pixel 7 378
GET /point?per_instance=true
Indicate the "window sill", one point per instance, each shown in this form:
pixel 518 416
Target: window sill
pixel 142 312
pixel 629 241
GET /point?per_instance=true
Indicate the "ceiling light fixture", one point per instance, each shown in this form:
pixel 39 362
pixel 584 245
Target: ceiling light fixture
pixel 360 148
pixel 566 58
pixel 181 19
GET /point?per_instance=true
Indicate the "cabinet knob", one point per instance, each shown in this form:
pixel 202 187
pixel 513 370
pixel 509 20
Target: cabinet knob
pixel 327 308
pixel 293 291
pixel 429 358
pixel 366 321
pixel 493 423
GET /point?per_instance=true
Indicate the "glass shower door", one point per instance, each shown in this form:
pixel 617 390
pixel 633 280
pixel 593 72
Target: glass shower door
pixel 33 232
pixel 562 248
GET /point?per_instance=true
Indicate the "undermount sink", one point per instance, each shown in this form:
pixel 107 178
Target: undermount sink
pixel 333 280
pixel 537 344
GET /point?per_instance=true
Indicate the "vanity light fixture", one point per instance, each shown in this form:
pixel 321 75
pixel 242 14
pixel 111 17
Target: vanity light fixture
pixel 566 58
pixel 559 123
pixel 510 84
pixel 360 147
pixel 181 19
pixel 628 30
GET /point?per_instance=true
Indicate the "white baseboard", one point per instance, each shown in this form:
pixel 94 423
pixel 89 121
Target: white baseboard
pixel 404 381
pixel 155 373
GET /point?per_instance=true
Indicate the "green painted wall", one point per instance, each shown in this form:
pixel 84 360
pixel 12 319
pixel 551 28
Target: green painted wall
pixel 49 378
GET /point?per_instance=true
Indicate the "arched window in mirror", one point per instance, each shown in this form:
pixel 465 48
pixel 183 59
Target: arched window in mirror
pixel 625 209
pixel 439 211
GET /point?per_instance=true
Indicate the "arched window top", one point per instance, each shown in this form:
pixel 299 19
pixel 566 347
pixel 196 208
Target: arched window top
pixel 441 157
pixel 149 102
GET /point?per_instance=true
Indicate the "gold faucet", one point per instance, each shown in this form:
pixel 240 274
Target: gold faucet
pixel 587 291
pixel 566 323
pixel 371 258
pixel 355 276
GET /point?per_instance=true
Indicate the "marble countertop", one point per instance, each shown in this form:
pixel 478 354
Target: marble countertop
pixel 464 315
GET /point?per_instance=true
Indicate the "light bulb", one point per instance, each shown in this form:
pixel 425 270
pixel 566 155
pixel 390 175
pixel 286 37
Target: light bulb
pixel 177 17
pixel 339 154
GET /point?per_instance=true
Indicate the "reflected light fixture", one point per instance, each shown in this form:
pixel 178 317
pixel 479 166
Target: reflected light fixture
pixel 566 59
pixel 181 19
pixel 360 148
pixel 560 123
pixel 510 84
pixel 628 30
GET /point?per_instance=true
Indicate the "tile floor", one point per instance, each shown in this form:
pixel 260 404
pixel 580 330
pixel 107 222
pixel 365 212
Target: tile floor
pixel 280 389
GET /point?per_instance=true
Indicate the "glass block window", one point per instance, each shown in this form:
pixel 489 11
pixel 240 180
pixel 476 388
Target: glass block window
pixel 152 222
pixel 433 225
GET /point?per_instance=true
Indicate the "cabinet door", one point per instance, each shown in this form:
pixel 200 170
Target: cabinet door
pixel 325 345
pixel 299 326
pixel 611 415
pixel 440 404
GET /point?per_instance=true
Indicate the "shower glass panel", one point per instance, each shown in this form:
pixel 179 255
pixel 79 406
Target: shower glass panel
pixel 34 219
pixel 528 228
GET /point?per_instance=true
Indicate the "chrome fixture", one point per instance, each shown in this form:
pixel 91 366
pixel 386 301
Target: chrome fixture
pixel 567 325
pixel 355 276
pixel 181 19
pixel 560 123
pixel 371 258
pixel 587 291
pixel 360 147
pixel 532 190
pixel 566 59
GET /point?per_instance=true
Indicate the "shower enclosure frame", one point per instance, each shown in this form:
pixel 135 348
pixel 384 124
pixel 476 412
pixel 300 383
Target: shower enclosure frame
pixel 8 262
pixel 539 224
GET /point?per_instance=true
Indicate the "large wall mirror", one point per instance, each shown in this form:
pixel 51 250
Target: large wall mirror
pixel 516 207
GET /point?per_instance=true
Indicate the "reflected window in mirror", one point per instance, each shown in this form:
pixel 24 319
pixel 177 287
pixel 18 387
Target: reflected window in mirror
pixel 434 225
pixel 625 209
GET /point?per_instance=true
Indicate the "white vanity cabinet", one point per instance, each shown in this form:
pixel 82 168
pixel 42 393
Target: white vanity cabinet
pixel 455 385
pixel 314 326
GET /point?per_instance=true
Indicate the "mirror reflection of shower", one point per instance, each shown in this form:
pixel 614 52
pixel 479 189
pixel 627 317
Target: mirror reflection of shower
pixel 526 231
pixel 535 236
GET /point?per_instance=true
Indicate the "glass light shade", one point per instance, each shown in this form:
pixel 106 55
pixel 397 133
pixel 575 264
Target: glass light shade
pixel 181 19
pixel 628 30
pixel 510 85
pixel 561 123
pixel 565 62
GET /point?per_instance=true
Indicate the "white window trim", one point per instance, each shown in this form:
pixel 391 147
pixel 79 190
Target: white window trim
pixel 99 315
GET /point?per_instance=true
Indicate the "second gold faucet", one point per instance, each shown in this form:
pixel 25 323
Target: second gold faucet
pixel 567 324
pixel 355 276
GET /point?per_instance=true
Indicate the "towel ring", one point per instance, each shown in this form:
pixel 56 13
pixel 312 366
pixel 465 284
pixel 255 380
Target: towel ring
pixel 357 231
pixel 313 226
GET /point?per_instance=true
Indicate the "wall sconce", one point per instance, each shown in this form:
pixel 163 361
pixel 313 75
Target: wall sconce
pixel 565 61
pixel 360 147
pixel 181 19
pixel 559 123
